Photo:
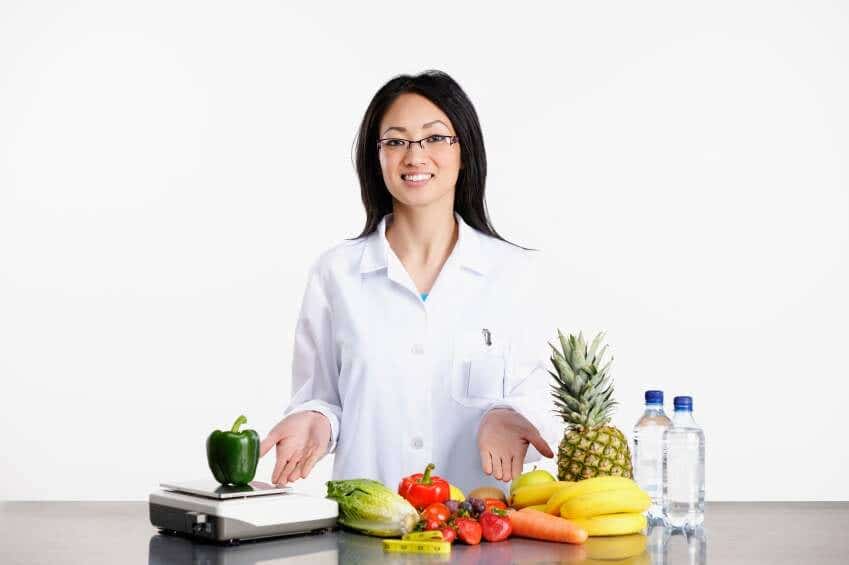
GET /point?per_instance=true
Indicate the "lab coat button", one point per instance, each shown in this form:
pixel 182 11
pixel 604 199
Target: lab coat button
pixel 417 443
pixel 418 349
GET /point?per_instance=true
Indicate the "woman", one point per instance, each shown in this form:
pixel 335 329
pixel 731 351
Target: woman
pixel 409 348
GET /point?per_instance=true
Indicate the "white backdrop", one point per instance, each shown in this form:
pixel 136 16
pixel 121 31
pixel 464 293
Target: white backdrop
pixel 169 171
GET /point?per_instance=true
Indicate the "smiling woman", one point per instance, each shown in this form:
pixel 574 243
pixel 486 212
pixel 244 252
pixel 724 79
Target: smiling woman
pixel 410 348
pixel 432 161
pixel 432 109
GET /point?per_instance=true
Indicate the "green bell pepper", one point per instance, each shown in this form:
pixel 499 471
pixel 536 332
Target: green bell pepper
pixel 233 455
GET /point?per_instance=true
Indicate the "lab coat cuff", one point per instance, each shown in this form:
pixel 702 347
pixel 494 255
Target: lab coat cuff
pixel 325 409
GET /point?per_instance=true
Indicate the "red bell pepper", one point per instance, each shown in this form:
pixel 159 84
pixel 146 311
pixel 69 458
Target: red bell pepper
pixel 422 489
pixel 495 525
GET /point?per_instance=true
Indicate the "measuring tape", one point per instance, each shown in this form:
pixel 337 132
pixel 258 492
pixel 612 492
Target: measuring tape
pixel 416 546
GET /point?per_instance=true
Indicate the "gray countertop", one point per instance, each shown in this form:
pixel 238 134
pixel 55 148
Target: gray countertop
pixel 120 532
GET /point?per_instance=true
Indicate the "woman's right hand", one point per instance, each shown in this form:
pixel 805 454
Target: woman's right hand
pixel 301 439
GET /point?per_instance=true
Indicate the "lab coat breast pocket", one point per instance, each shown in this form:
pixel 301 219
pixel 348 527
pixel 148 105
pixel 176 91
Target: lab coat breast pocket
pixel 479 367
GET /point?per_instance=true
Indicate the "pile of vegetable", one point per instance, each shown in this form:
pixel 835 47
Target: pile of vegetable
pixel 431 514
pixel 369 507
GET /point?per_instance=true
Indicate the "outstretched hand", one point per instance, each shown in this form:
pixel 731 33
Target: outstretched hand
pixel 503 441
pixel 301 439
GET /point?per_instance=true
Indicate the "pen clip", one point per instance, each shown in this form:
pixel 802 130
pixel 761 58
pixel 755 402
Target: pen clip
pixel 487 337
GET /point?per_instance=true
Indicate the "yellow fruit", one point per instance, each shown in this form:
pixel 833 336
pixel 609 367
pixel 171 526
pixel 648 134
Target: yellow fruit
pixel 607 502
pixel 612 524
pixel 615 547
pixel 587 486
pixel 535 477
pixel 540 507
pixel 456 494
pixel 535 494
pixel 553 504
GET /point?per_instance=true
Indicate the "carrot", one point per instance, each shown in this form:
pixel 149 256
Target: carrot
pixel 530 523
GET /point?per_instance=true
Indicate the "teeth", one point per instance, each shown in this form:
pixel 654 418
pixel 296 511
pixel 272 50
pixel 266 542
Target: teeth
pixel 416 178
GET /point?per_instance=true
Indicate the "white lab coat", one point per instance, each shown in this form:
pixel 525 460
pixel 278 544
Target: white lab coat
pixel 405 382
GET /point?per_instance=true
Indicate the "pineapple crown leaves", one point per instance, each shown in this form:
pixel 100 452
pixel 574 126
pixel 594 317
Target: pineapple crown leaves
pixel 583 391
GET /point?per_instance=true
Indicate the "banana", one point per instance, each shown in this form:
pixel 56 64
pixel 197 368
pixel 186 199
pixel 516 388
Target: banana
pixel 615 547
pixel 612 524
pixel 607 502
pixel 553 504
pixel 587 486
pixel 536 494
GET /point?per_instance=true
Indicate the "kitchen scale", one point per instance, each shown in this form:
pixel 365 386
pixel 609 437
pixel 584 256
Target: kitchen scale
pixel 210 511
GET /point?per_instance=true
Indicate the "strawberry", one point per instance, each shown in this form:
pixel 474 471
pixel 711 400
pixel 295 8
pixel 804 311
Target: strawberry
pixel 495 525
pixel 468 530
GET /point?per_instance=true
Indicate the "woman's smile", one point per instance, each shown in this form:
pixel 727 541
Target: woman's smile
pixel 416 180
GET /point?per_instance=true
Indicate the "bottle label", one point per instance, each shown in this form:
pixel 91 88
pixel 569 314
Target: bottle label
pixel 682 469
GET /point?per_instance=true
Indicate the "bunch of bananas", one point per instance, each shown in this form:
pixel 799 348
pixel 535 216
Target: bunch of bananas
pixel 536 495
pixel 604 506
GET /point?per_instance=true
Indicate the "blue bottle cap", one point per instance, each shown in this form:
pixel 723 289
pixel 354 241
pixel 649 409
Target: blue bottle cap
pixel 683 402
pixel 654 397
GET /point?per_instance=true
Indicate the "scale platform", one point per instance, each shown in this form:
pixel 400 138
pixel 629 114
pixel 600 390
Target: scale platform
pixel 207 510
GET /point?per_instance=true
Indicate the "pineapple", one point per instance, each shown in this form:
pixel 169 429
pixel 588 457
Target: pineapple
pixel 583 395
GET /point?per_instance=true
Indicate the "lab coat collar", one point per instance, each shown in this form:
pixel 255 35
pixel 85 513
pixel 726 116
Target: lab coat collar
pixel 467 252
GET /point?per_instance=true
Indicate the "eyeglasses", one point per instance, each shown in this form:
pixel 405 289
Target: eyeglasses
pixel 433 144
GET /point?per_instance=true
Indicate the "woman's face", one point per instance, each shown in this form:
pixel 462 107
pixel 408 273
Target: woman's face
pixel 412 116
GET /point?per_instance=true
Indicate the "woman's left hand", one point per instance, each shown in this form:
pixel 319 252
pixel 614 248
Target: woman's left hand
pixel 503 441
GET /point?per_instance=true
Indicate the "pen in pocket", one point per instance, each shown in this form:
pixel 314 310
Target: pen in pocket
pixel 487 336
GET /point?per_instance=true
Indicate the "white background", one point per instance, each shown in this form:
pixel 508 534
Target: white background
pixel 170 170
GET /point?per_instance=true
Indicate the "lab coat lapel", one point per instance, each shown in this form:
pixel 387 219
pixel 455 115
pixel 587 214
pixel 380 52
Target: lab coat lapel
pixel 378 255
pixel 468 254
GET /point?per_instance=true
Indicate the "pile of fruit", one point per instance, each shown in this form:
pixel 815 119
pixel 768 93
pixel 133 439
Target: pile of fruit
pixel 467 521
pixel 540 507
pixel 444 508
pixel 601 506
pixel 429 514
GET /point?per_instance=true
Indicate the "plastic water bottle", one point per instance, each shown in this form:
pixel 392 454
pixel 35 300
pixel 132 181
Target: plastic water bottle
pixel 648 450
pixel 684 468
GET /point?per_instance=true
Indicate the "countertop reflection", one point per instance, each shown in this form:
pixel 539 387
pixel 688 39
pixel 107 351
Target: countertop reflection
pixel 114 532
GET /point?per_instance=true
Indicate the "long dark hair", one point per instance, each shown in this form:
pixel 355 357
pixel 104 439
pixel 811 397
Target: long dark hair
pixel 442 90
